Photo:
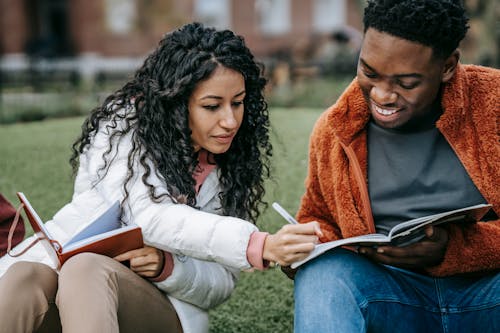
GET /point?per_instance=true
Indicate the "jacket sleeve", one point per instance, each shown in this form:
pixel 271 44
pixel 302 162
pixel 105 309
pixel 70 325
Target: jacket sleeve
pixel 470 101
pixel 176 228
pixel 474 248
pixel 202 283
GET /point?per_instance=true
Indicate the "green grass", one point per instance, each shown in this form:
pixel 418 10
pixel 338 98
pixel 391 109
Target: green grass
pixel 34 160
pixel 312 93
pixel 27 106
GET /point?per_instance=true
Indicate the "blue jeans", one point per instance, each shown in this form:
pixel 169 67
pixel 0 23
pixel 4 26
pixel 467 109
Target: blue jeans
pixel 341 291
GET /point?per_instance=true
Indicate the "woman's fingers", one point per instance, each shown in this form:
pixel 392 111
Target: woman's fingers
pixel 144 260
pixel 147 261
pixel 150 270
pixel 288 239
pixel 288 258
pixel 310 228
pixel 290 243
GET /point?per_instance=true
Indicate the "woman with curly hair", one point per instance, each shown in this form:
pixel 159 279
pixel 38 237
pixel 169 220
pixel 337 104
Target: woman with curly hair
pixel 184 146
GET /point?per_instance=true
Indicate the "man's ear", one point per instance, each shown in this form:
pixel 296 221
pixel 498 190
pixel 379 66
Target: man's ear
pixel 450 66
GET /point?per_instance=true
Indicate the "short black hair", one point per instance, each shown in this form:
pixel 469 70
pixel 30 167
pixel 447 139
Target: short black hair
pixel 439 24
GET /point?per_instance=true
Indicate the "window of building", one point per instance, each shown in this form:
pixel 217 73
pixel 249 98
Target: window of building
pixel 329 15
pixel 120 16
pixel 274 16
pixel 213 13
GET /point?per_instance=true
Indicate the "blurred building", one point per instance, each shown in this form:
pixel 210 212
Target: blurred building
pixel 104 36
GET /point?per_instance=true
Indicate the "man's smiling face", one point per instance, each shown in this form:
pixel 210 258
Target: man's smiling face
pixel 400 79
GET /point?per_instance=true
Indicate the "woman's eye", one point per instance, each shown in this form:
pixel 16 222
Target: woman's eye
pixel 211 107
pixel 236 104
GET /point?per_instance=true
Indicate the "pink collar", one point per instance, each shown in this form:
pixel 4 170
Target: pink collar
pixel 206 164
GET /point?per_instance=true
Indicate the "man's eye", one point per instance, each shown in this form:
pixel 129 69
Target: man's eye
pixel 212 107
pixel 408 86
pixel 370 75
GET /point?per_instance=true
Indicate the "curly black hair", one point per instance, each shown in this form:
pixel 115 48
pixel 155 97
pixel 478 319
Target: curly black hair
pixel 439 24
pixel 159 127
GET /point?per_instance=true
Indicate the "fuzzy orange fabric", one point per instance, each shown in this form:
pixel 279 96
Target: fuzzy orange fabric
pixel 470 123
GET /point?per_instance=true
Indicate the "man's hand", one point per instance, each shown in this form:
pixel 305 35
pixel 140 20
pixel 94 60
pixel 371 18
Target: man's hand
pixel 428 252
pixel 147 261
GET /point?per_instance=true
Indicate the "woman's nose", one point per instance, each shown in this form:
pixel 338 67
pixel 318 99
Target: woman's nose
pixel 228 120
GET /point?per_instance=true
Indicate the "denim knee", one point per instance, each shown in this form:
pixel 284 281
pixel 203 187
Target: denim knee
pixel 338 273
pixel 339 263
pixel 325 293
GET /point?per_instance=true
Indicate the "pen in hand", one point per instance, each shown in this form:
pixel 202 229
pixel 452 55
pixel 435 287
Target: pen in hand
pixel 303 229
pixel 284 213
pixel 291 219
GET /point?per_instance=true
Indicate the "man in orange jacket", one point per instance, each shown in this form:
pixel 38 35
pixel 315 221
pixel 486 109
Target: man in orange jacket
pixel 416 133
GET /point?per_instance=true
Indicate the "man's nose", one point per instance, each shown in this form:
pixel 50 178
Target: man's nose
pixel 383 94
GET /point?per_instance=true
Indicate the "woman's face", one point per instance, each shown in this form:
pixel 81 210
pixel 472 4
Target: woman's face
pixel 216 110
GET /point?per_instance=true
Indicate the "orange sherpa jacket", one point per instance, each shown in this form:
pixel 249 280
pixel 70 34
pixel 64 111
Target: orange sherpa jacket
pixel 336 185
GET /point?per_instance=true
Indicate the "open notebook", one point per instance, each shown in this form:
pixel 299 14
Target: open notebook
pixel 404 233
pixel 105 235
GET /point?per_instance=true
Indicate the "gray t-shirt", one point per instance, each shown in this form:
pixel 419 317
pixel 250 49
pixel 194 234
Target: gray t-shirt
pixel 414 174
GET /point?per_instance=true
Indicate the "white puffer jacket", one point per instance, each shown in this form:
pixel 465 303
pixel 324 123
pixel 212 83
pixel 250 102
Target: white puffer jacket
pixel 208 249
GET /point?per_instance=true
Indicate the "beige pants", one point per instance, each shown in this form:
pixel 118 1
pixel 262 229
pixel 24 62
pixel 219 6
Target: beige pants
pixel 92 293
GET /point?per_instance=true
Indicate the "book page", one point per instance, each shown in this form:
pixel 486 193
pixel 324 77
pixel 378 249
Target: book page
pixel 412 231
pixel 109 220
pixel 359 240
pixel 404 233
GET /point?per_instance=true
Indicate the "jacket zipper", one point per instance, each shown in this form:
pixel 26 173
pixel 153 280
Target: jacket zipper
pixel 363 187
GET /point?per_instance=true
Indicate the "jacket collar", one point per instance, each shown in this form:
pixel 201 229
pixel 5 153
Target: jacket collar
pixel 455 102
pixel 209 189
pixel 349 114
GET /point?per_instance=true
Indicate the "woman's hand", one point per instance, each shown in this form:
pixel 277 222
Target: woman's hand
pixel 147 261
pixel 291 243
pixel 428 252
